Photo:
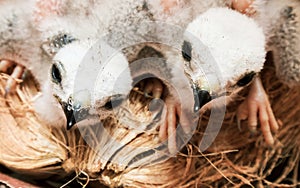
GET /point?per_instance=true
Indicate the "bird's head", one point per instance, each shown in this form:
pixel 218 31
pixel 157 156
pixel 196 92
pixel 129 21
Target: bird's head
pixel 87 75
pixel 222 50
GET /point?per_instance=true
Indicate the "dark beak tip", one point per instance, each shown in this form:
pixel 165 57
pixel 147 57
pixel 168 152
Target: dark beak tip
pixel 70 119
pixel 201 98
pixel 75 116
pixel 69 125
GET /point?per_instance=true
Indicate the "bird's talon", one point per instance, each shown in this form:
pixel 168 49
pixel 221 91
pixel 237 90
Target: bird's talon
pixel 153 86
pixel 17 73
pixel 5 65
pixel 270 147
pixel 147 95
pixel 243 6
pixel 157 88
pixel 156 105
pixel 135 89
pixel 239 124
pixel 24 75
pixel 253 130
pixel 256 108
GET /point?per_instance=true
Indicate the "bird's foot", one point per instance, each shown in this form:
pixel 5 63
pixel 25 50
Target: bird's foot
pixel 257 105
pixel 16 73
pixel 174 116
pixel 243 6
pixel 171 114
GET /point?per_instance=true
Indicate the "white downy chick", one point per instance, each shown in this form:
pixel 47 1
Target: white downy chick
pixel 251 54
pixel 281 24
pixel 20 42
pixel 67 28
pixel 59 24
pixel 221 58
pixel 223 50
pixel 234 47
pixel 87 75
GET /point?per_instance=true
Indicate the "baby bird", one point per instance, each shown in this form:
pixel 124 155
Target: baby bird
pixel 256 105
pixel 159 72
pixel 236 56
pixel 281 24
pixel 218 73
pixel 218 66
pixel 89 75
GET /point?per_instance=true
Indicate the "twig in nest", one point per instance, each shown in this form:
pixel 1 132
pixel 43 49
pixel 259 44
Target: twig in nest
pixel 212 164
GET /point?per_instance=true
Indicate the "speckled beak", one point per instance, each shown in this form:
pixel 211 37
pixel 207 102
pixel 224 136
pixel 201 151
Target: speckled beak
pixel 73 113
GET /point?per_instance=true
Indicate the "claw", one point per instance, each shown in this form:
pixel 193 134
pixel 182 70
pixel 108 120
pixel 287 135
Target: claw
pixel 167 131
pixel 17 73
pixel 153 86
pixel 256 107
pixel 243 6
pixel 156 105
pixel 238 122
pixel 148 88
pixel 173 117
pixel 242 114
pixel 157 88
pixel 5 65
pixel 172 124
pixel 171 113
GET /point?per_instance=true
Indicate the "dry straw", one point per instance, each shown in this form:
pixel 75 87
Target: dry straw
pixel 29 146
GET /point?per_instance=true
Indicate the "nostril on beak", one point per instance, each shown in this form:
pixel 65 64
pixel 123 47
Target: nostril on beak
pixel 201 97
pixel 74 112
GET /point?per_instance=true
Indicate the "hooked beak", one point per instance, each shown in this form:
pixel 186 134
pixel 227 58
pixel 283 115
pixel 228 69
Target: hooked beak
pixel 201 97
pixel 73 113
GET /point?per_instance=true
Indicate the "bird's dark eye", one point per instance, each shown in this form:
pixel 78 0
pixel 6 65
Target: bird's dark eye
pixel 187 51
pixel 55 73
pixel 246 79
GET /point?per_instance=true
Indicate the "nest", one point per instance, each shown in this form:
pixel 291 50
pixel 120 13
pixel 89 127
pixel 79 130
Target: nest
pixel 29 146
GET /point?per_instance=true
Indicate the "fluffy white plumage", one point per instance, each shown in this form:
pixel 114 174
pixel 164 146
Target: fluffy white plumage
pixel 87 75
pixel 96 69
pixel 280 21
pixel 128 23
pixel 232 52
pixel 233 44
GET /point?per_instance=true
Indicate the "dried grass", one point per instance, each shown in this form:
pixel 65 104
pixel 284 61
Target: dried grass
pixel 31 147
